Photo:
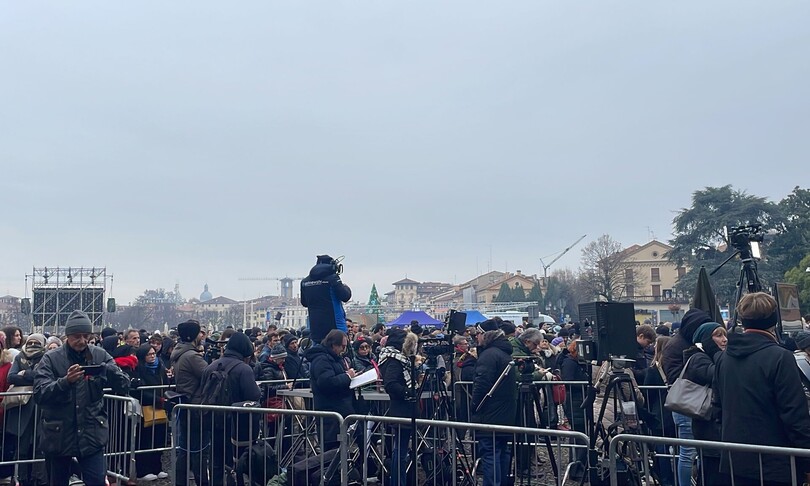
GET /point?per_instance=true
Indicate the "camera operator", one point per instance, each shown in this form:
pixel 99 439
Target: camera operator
pixel 525 354
pixel 499 408
pixel 323 294
pixel 464 370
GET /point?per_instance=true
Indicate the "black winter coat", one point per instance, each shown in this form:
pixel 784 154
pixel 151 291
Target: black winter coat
pixel 393 378
pixel 74 420
pixel 295 368
pixel 322 293
pixel 241 378
pixel 145 377
pixel 662 423
pixel 329 381
pixel 501 408
pixel 700 370
pixel 672 359
pixel 759 389
pixel 19 420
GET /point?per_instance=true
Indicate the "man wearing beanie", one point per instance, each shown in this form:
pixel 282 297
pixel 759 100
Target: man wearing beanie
pixel 74 423
pixel 188 365
pixel 294 366
pixel 242 387
pixel 760 392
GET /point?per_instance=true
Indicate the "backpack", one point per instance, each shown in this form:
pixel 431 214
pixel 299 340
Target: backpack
pixel 217 388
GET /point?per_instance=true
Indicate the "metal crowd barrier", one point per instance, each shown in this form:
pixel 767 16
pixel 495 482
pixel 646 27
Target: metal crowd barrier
pixel 124 418
pixel 217 442
pixel 371 443
pixel 632 457
pixel 20 440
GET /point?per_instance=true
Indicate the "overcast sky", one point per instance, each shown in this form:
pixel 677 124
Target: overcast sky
pixel 202 141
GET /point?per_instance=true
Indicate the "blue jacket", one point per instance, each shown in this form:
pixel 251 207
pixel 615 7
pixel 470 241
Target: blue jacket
pixel 322 293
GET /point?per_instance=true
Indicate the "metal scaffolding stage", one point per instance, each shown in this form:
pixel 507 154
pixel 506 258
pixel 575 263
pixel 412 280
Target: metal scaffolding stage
pixel 59 291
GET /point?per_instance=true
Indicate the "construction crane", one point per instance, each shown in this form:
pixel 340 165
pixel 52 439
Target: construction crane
pixel 548 265
pixel 269 278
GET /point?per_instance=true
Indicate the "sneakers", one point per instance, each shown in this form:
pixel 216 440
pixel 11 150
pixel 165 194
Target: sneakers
pixel 162 475
pixel 148 477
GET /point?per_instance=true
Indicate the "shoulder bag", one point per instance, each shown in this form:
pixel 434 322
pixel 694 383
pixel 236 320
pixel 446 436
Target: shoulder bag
pixel 688 398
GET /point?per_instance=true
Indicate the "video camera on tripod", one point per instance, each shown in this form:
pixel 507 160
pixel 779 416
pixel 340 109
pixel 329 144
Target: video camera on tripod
pixel 746 239
pixel 527 365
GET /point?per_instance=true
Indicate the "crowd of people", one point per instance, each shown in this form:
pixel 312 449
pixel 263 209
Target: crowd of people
pixel 754 377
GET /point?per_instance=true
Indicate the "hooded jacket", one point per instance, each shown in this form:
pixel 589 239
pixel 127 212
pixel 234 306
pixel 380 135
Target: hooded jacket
pixel 242 381
pixel 700 370
pixel 322 293
pixel 493 357
pixel 758 387
pixel 672 359
pixel 188 365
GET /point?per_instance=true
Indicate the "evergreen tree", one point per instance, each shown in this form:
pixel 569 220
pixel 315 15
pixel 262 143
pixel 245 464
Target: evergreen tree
pixel 504 294
pixel 518 294
pixel 536 295
pixel 374 306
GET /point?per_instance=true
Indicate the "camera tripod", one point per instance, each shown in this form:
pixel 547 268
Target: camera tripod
pixel 442 410
pixel 529 401
pixel 620 389
pixel 748 282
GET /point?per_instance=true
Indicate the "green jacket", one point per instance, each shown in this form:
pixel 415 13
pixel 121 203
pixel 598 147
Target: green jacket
pixel 520 350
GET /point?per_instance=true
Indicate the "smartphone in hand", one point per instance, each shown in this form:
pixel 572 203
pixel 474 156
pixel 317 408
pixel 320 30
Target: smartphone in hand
pixel 93 370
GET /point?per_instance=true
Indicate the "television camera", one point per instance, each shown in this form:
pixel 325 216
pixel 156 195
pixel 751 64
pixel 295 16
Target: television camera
pixel 742 237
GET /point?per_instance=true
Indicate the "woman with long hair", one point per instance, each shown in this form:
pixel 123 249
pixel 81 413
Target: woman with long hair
pixel 20 419
pixel 660 420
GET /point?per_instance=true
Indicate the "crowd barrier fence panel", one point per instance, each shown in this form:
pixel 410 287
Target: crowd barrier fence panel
pixel 646 474
pixel 124 418
pixel 229 432
pixel 441 439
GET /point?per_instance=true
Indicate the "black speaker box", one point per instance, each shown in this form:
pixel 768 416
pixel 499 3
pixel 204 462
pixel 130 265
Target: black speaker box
pixel 458 322
pixel 612 328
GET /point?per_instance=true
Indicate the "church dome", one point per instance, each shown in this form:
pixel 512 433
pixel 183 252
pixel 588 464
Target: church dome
pixel 206 295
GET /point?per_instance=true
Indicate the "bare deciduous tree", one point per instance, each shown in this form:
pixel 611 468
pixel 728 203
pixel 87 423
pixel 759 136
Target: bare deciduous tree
pixel 603 269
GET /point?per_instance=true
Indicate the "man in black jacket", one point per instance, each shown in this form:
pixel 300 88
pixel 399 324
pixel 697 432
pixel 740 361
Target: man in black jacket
pixel 323 294
pixel 243 388
pixel 759 389
pixel 494 355
pixel 74 420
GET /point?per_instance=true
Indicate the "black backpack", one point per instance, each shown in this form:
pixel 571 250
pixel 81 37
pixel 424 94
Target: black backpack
pixel 217 388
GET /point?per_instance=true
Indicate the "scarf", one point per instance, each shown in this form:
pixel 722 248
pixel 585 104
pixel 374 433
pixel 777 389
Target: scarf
pixel 152 367
pixel 33 353
pixel 390 352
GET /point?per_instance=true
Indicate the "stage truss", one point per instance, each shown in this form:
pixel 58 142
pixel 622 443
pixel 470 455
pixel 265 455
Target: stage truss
pixel 59 291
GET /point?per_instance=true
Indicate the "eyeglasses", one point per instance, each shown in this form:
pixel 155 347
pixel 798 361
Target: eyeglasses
pixel 151 354
pixel 365 346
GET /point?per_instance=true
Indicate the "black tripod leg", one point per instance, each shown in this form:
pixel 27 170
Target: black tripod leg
pixel 543 424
